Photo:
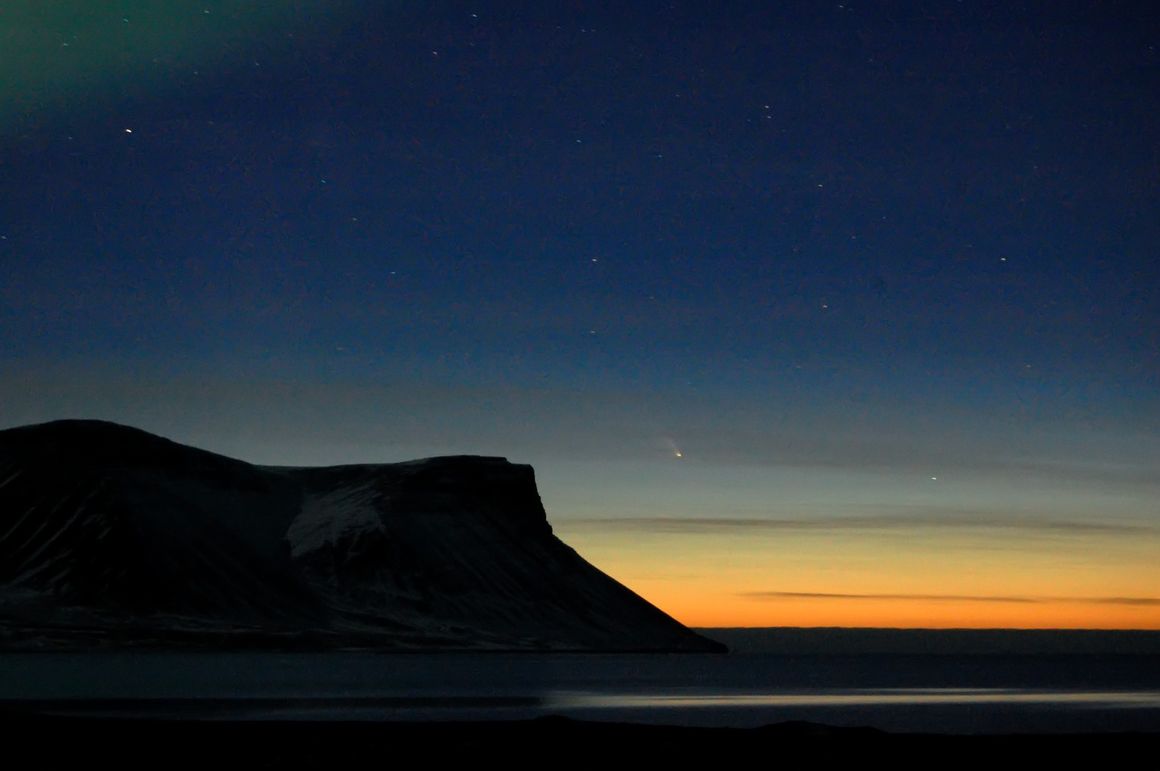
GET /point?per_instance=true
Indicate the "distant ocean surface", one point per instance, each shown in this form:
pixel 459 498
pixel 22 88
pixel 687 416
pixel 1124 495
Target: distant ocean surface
pixel 904 692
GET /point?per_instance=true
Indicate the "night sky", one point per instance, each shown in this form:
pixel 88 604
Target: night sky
pixel 805 313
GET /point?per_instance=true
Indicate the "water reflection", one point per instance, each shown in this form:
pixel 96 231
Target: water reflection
pixel 969 694
pixel 867 697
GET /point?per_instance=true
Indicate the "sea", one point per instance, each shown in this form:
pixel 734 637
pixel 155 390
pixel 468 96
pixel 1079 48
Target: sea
pixel 910 692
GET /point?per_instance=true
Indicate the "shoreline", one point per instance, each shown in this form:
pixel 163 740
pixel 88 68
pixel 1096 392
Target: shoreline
pixel 786 641
pixel 144 742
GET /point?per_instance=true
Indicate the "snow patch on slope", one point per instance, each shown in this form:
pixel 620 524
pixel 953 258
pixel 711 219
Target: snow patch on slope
pixel 338 518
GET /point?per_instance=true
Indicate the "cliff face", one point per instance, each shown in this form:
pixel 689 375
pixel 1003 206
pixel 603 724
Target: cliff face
pixel 111 534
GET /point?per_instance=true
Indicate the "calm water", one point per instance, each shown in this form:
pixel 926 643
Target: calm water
pixel 895 692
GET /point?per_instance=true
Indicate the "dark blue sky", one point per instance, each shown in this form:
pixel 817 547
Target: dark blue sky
pixel 913 237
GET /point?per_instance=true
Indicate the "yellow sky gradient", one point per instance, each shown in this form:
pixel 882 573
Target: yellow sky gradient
pixel 895 577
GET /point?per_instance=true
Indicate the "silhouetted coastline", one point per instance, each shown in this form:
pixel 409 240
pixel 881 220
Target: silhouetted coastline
pixel 857 641
pixel 132 744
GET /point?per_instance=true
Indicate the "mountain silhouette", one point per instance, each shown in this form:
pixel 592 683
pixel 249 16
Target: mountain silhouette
pixel 113 536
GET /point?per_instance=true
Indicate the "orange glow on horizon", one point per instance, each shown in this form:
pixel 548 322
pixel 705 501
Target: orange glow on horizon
pixel 895 580
pixel 726 611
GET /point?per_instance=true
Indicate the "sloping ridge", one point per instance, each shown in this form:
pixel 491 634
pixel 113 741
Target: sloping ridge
pixel 108 532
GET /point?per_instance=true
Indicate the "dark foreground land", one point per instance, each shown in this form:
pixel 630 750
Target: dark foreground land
pixel 60 742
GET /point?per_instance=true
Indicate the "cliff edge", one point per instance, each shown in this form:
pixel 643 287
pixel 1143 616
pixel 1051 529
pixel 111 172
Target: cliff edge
pixel 112 536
